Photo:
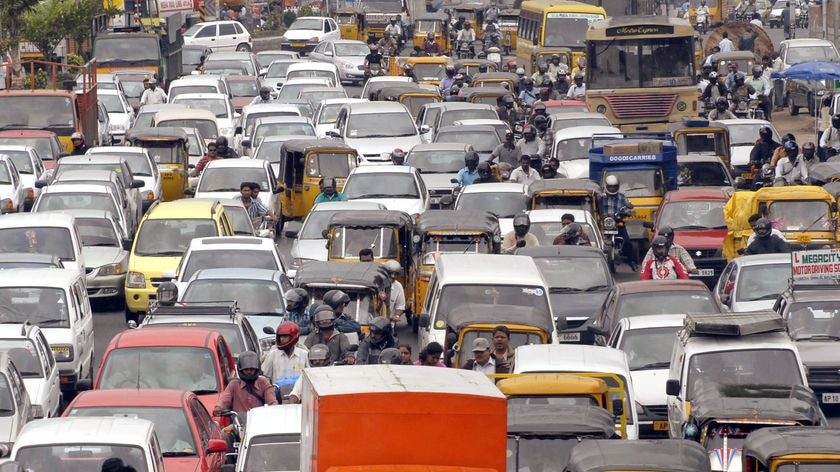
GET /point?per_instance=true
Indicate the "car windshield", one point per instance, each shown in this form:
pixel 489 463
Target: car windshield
pixel 351 49
pixel 762 282
pixel 734 371
pixel 97 232
pixel 252 116
pixel 640 183
pixel 282 129
pixel 273 452
pixel 132 87
pixel 208 128
pixel 501 204
pixel 269 151
pixel 648 348
pixel 381 185
pixel 547 231
pixel 746 134
pixel 307 24
pixel 112 103
pixel 382 125
pixel 193 88
pixel 230 331
pixel 217 106
pixel 315 96
pixel 42 306
pixel 265 58
pixel 252 296
pixel 702 174
pixel 226 179
pixel 44 240
pixel 449 117
pixel 138 162
pixel 311 74
pixel 437 244
pixel 574 148
pixel 574 274
pixel 663 302
pixel 811 54
pixel 814 320
pixel 171 425
pixel 330 164
pixel 223 259
pixel 240 221
pixel 315 224
pixel 68 457
pixel 437 162
pixel 482 142
pixel 559 123
pixel 25 354
pixel 800 215
pixel 178 367
pixel 22 160
pixel 171 237
pixel 42 145
pixel 454 296
pixel 329 113
pixel 278 70
pixel 694 215
pixel 347 242
pixel 293 90
pixel 244 88
pixel 76 201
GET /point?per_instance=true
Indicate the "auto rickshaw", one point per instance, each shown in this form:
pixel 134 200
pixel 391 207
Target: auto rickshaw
pixel 442 231
pixel 508 26
pixel 789 448
pixel 673 455
pixel 472 65
pixel 436 23
pixel 169 148
pixel 564 193
pixel 806 214
pixel 303 163
pixel 543 55
pixel 543 432
pixel 496 79
pixel 485 95
pixel 368 285
pixel 744 59
pixel 351 23
pixel 474 14
pixel 426 69
pixel 412 96
pixel 375 23
pixel 696 136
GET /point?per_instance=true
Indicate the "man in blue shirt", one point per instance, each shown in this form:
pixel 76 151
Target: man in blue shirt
pixel 468 174
pixel 612 202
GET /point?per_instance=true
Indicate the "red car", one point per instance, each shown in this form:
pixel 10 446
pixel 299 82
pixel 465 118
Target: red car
pixel 45 142
pixel 696 216
pixel 194 359
pixel 190 440
pixel 566 106
pixel 243 88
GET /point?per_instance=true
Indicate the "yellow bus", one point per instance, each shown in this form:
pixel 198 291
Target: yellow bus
pixel 640 71
pixel 553 27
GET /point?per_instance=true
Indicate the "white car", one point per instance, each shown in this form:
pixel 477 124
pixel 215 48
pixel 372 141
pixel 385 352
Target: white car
pixel 375 129
pixel 143 169
pixel 54 234
pixel 397 187
pixel 314 70
pixel 226 35
pixel 227 252
pixel 571 147
pixel 306 32
pixel 106 257
pixel 30 168
pixel 197 84
pixel 17 408
pixel 750 283
pixel 504 200
pixel 348 55
pixel 222 178
pixel 219 104
pixel 12 191
pixel 298 126
pixel 274 75
pixel 69 197
pixel 28 348
pixel 292 87
pixel 743 134
pixel 327 111
pixel 120 114
pixel 250 114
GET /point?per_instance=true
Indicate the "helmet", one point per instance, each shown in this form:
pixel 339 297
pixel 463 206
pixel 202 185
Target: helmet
pixel 548 172
pixel 660 247
pixel 265 89
pixel 765 133
pixel 336 298
pixel 808 150
pixel 393 266
pixel 578 76
pixel 555 56
pixel 77 135
pixel 757 70
pixel 249 360
pixel 520 71
pixel 387 34
pixel 408 68
pixel 467 25
pixel 470 158
pixel 707 66
pixel 482 68
pixel 713 76
pixel 611 183
pixel 167 294
pixel 328 185
pixel 430 35
pixel 484 169
pixel 462 18
pixel 287 328
pixel 763 228
pixel 509 136
pixel 667 233
pixel 791 144
pixel 528 81
pixel 529 130
pixel 459 76
pixel 398 154
pixel 380 325
pixel 462 71
pixel 721 101
pixel 221 141
pixel 390 355
pixel 788 137
pixel 324 317
pixel 297 299
pixel 450 70
pixel 522 219
pixel 319 352
pixel 539 108
pixel 540 120
pixel 543 67
pixel 508 100
pixel 740 77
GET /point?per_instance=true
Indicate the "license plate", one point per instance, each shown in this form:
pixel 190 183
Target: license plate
pixel 569 337
pixel 747 175
pixel 609 231
pixel 660 426
pixel 803 238
pixel 831 397
pixel 297 45
pixel 704 273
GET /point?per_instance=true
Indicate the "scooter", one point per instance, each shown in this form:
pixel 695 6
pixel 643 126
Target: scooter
pixel 464 50
pixel 701 23
pixel 494 55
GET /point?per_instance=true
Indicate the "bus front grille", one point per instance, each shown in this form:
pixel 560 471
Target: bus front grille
pixel 641 105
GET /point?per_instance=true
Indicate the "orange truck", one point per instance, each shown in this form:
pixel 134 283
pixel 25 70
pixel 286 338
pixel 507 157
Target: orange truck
pixel 363 418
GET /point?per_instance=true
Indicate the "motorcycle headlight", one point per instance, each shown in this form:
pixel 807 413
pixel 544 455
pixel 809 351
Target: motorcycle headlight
pixel 62 352
pixel 112 269
pixel 609 223
pixel 135 280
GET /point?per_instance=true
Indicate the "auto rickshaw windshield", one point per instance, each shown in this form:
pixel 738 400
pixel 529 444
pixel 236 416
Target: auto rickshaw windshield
pixel 640 183
pixel 800 215
pixel 347 242
pixel 342 19
pixel 433 246
pixel 164 152
pixel 428 26
pixel 360 307
pixel 429 71
pixel 538 452
pixel 329 164
pixel 560 400
pixel 749 368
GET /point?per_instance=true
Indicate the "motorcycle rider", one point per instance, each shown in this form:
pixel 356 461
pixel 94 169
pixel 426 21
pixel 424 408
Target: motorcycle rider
pixel 469 173
pixel 578 90
pixel 373 58
pixel 430 46
pixel 721 111
pixel 388 45
pixel 541 74
pixel 394 30
pixel 702 14
pixel 465 36
pixel 250 390
pixel 492 38
pixel 830 139
pixel 525 174
pixel 715 89
pixel 527 95
pixel 318 357
pixel 448 81
pixel 764 242
pixel 297 309
pixel 520 236
pixel 730 76
pixel 555 66
pixel 544 133
pixel 561 83
pixel 762 90
pixel 780 152
pixel 380 338
pixel 79 146
pixel 762 152
pixel 809 151
pixel 506 110
pixel 507 151
pixel 530 144
pixel 459 25
pixel 614 202
pixel 398 158
pixel 264 96
pixel 485 174
pixel 791 169
pixel 325 333
pixel 329 192
pixel 285 360
pixel 662 265
pixel 741 91
pixel 338 300
pixel 674 250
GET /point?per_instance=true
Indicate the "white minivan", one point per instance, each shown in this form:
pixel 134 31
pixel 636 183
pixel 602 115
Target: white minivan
pixel 50 233
pixel 273 439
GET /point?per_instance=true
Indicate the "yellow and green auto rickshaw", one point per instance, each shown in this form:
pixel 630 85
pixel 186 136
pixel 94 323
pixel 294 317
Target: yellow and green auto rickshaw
pixel 303 163
pixel 791 448
pixel 508 26
pixel 169 149
pixel 663 455
pixel 412 96
pixel 543 56
pixel 351 23
pixel 436 23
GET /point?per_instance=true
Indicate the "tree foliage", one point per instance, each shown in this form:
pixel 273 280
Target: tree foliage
pixel 11 18
pixel 78 20
pixel 45 26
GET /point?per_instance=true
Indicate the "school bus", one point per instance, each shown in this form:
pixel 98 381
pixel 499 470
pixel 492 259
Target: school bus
pixel 546 25
pixel 640 71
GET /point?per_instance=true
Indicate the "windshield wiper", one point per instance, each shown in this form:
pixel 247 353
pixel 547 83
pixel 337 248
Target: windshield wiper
pixel 654 365
pixel 50 321
pixel 178 454
pixel 404 195
pixel 596 288
pixel 379 135
pixel 564 290
pixel 818 337
pixel 373 195
pixel 766 296
pixel 205 392
pixel 164 253
pixel 16 126
pixel 108 244
pixel 690 227
pixel 221 190
pixel 263 313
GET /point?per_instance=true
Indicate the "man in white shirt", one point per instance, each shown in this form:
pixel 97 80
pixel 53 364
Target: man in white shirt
pixel 830 139
pixel 524 174
pixel 578 90
pixel 726 44
pixel 483 360
pixel 153 95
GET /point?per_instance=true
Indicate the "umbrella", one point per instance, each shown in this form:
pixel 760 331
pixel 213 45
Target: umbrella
pixel 810 71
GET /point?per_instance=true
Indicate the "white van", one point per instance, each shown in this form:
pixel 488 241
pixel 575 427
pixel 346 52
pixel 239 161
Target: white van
pixel 573 358
pixel 492 281
pixel 273 439
pixel 43 233
pixel 15 403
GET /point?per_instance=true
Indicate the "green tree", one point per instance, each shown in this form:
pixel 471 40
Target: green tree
pixel 44 25
pixel 11 20
pixel 77 20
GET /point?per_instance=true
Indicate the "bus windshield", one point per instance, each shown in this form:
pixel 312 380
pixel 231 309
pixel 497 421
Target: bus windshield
pixel 567 29
pixel 117 50
pixel 640 63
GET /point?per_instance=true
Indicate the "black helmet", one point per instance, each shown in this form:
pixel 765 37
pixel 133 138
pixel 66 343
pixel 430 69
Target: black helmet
pixel 482 67
pixel 528 81
pixel 336 298
pixel 555 56
pixel 390 355
pixel 462 18
pixel 508 100
pixel 167 294
pixel 530 129
pixel 660 247
pixel 668 233
pixel 471 158
pixel 249 360
pixel 788 137
pixel 740 78
pixel 510 136
pixel 808 150
pixel 548 172
pixel 766 133
pixel 763 228
pixel 430 35
pixel 450 70
pixel 539 108
pixel 324 317
pixel 484 170
pixel 757 71
pixel 398 155
pixel 721 101
pixel 297 299
pixel 380 325
pixel 520 221
pixel 540 121
pixel 221 141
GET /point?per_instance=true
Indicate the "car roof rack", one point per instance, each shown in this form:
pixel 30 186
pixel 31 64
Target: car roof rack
pixel 730 324
pixel 197 308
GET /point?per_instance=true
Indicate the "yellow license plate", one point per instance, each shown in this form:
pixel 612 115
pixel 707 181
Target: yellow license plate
pixel 747 175
pixel 167 175
pixel 297 45
pixel 660 426
pixel 803 238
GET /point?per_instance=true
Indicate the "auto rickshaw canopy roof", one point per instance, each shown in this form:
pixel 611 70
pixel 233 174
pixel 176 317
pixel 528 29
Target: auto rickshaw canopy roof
pixel 475 63
pixel 371 219
pixel 557 185
pixel 824 172
pixel 757 402
pixel 795 192
pixel 467 314
pixel 833 188
pixel 361 274
pixel 156 134
pixel 455 221
pixel 552 383
pixel 434 16
pixel 766 443
pixel 541 419
pixel 305 146
pixel 676 455
pixel 497 76
pixel 394 92
pixel 468 93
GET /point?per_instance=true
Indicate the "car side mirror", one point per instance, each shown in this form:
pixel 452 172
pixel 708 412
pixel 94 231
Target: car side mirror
pixel 169 274
pixel 126 244
pixel 726 299
pixel 276 190
pixel 291 234
pixel 424 129
pixel 189 191
pixel 597 330
pixel 238 130
pixel 617 407
pixel 269 330
pixel 216 445
pixel 647 224
pixel 84 384
pixel 246 142
pixel 137 183
pixel 561 323
pixel 41 183
pixel 423 321
pixel 325 234
pixel 333 133
pixel 672 387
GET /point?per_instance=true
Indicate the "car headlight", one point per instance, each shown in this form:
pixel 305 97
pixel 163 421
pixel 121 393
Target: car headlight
pixel 314 39
pixel 112 269
pixel 62 352
pixel 347 65
pixel 283 39
pixel 226 130
pixel 116 126
pixel 6 205
pixel 135 280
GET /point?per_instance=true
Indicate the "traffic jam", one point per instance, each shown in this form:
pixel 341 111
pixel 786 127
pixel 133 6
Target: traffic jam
pixel 562 237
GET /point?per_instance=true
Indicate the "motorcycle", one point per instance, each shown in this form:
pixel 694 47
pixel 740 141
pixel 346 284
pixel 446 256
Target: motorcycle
pixel 236 431
pixel 493 40
pixel 740 107
pixel 613 242
pixel 374 70
pixel 477 47
pixel 701 23
pixel 494 54
pixel 266 228
pixel 464 50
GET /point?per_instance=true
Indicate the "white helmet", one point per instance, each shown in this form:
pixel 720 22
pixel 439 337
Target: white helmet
pixel 393 266
pixel 611 183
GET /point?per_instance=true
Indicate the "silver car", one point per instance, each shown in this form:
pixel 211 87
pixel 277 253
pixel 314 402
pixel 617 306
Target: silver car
pixel 347 55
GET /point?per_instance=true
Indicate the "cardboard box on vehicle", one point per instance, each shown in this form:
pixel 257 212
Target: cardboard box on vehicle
pixel 650 147
pixel 631 148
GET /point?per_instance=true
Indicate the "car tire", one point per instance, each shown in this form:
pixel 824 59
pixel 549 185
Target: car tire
pixel 243 48
pixel 792 108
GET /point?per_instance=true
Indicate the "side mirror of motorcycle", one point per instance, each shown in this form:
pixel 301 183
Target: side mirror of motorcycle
pixel 647 224
pixel 269 330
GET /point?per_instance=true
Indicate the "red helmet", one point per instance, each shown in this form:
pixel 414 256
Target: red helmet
pixel 287 328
